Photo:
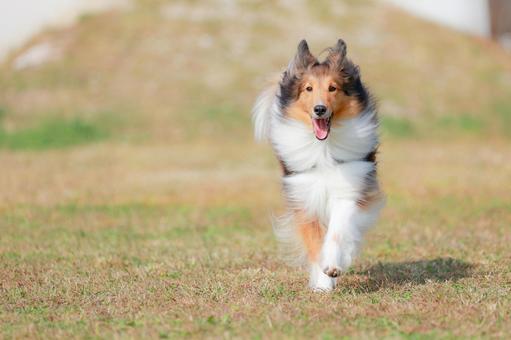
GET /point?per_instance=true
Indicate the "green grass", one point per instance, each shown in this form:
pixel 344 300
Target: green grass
pixel 397 127
pixel 502 114
pixel 444 127
pixel 53 133
pixel 461 124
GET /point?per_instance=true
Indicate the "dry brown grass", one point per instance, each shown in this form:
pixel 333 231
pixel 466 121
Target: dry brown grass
pixel 163 229
pixel 156 251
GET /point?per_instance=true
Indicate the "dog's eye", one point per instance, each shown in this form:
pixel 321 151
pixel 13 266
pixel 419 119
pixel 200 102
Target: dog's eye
pixel 332 88
pixel 309 88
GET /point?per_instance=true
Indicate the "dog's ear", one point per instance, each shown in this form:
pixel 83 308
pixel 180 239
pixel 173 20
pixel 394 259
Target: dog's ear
pixel 349 72
pixel 301 60
pixel 337 54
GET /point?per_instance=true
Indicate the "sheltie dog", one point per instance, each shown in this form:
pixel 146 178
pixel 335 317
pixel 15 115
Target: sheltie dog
pixel 322 124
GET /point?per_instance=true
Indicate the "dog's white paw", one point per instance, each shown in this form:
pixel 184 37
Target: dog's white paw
pixel 334 259
pixel 319 282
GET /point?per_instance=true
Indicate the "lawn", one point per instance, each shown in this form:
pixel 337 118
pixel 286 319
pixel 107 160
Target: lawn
pixel 134 203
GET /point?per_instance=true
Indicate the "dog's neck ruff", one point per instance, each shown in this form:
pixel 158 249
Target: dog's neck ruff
pixel 370 157
pixel 351 140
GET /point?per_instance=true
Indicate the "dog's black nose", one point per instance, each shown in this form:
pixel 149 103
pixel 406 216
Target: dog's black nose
pixel 320 110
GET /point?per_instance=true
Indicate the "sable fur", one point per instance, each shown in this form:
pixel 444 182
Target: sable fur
pixel 331 185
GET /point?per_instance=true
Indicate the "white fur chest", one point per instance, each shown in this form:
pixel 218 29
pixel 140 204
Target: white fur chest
pixel 297 147
pixel 315 190
pixel 324 171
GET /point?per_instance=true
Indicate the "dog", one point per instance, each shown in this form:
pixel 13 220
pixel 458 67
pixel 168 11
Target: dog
pixel 322 124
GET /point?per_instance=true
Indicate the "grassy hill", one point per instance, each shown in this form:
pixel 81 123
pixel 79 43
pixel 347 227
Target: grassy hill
pixel 135 204
pixel 181 71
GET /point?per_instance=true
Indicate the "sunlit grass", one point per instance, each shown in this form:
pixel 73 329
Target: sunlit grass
pixel 165 270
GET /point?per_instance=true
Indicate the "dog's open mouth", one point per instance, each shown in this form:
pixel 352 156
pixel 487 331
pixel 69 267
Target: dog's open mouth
pixel 321 127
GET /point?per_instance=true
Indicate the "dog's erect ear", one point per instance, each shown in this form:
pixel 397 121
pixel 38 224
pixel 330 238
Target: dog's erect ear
pixel 340 47
pixel 348 70
pixel 337 54
pixel 338 60
pixel 301 60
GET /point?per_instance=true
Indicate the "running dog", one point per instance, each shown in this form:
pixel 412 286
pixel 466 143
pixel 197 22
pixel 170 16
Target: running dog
pixel 322 123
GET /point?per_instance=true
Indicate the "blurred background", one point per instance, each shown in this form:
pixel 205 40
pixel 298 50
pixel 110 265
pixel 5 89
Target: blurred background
pixel 126 145
pixel 134 73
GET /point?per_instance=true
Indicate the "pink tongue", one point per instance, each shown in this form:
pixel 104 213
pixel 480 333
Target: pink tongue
pixel 320 128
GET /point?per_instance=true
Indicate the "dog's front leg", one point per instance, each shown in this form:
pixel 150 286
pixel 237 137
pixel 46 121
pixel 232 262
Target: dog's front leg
pixel 342 238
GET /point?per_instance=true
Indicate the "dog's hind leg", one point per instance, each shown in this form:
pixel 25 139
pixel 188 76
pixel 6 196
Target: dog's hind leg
pixel 312 235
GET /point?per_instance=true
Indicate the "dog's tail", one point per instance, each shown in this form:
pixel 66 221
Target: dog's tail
pixel 264 107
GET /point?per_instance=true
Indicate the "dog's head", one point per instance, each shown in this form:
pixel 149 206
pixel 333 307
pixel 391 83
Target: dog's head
pixel 319 93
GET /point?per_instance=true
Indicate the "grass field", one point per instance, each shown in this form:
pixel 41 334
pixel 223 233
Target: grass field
pixel 134 203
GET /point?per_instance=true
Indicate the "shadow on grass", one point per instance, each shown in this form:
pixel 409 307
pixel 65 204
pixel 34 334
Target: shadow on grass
pixel 392 274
